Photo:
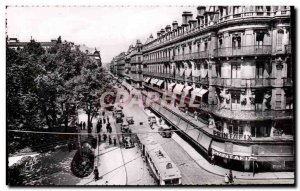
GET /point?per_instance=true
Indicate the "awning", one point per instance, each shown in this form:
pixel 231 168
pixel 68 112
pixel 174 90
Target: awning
pixel 178 88
pixel 159 82
pixel 153 81
pixel 199 92
pixel 187 89
pixel 181 72
pixel 188 72
pixel 276 158
pixel 170 86
pixel 218 146
pixel 204 140
pixel 148 80
pixel 196 91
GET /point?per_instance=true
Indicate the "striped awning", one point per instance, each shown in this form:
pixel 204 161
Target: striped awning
pixel 178 88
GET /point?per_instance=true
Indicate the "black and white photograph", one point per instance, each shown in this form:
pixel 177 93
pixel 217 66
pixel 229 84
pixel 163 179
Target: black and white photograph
pixel 114 95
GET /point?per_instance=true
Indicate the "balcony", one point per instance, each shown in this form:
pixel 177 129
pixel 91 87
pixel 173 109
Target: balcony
pixel 157 60
pixel 192 56
pixel 244 51
pixel 247 115
pixel 250 83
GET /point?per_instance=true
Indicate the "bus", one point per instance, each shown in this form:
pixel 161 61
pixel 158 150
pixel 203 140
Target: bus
pixel 163 169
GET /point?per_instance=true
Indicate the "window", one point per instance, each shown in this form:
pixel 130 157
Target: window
pixel 236 71
pixel 279 39
pixel 289 99
pixel 236 42
pixel 259 38
pixel 205 46
pixel 278 101
pixel 259 70
pixel 220 42
pixel 190 49
pixel 235 99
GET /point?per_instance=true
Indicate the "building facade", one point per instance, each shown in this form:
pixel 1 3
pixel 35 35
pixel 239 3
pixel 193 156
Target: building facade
pixel 235 62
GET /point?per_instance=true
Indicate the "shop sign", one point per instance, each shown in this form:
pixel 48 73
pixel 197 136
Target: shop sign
pixel 234 157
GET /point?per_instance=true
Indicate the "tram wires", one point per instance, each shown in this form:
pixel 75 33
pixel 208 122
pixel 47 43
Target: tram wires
pixel 146 132
pixel 140 156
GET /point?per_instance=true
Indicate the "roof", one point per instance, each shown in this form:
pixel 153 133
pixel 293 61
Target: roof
pixel 167 169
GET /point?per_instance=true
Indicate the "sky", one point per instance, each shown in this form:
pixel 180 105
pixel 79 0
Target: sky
pixel 110 29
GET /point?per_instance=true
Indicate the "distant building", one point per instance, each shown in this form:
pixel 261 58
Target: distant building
pixel 15 44
pixel 96 56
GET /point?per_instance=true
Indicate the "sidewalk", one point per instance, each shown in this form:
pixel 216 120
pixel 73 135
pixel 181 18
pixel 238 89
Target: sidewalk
pixel 221 171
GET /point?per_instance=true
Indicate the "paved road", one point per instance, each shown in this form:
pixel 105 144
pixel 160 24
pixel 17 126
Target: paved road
pixel 192 173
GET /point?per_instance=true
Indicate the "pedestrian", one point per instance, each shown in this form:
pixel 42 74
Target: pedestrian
pixel 103 113
pixel 107 119
pixel 84 125
pixel 115 141
pixel 100 121
pixel 96 174
pixel 99 138
pixel 212 160
pixel 104 120
pixel 98 127
pixel 226 179
pixel 109 139
pixel 81 125
pixel 104 137
pixel 230 176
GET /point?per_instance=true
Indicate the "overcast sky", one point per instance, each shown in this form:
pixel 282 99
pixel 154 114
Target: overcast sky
pixel 110 29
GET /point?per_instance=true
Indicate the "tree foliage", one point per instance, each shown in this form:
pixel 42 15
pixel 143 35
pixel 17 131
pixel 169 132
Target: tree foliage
pixel 45 88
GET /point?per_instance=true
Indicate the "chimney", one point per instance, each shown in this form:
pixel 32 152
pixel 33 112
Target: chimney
pixel 186 16
pixel 175 25
pixel 201 10
pixel 168 28
pixel 158 34
pixel 162 32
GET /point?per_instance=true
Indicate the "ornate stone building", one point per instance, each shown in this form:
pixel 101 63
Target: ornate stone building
pixel 235 62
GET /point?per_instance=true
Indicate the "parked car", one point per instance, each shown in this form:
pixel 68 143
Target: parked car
pixel 130 120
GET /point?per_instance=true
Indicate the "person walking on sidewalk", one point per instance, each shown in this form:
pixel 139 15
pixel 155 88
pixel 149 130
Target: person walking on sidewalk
pixel 84 125
pixel 115 141
pixel 230 176
pixel 107 119
pixel 104 137
pixel 226 178
pixel 109 139
pixel 96 174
